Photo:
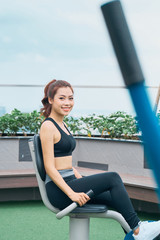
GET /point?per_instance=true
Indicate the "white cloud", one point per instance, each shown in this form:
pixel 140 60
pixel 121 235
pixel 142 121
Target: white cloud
pixel 6 39
pixel 32 58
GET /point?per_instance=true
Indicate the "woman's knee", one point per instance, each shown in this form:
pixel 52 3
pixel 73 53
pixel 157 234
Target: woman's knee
pixel 116 179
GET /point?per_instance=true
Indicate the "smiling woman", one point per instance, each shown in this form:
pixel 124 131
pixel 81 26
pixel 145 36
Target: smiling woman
pixel 60 92
pixel 64 184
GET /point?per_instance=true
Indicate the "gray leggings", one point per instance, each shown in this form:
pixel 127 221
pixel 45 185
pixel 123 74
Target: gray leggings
pixel 108 189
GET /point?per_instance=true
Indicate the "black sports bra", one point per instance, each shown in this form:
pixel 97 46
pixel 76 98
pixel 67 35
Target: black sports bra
pixel 67 143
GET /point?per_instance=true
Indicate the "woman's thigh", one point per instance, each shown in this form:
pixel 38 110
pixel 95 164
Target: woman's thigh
pixel 99 183
pixel 56 196
pixel 103 198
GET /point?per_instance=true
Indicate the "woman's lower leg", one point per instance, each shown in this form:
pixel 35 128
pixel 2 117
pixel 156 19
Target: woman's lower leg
pixel 119 198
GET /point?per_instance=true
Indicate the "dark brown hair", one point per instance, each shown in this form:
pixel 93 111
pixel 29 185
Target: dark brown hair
pixel 49 91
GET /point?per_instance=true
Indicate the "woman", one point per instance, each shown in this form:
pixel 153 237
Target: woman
pixel 63 183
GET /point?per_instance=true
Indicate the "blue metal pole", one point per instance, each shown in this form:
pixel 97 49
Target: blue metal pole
pixel 148 123
pixel 134 80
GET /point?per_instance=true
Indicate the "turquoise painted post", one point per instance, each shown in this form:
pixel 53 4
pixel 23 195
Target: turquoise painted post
pixel 134 80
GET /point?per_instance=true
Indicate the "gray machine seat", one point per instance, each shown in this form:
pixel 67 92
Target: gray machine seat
pixel 79 217
pixel 87 208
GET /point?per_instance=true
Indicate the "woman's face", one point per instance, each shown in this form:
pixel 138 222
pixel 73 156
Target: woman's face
pixel 63 101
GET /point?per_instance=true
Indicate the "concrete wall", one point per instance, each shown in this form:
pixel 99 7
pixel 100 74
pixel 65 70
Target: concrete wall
pixel 14 150
pixel 118 155
pixel 123 156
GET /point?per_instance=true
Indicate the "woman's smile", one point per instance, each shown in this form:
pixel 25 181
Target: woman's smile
pixel 66 109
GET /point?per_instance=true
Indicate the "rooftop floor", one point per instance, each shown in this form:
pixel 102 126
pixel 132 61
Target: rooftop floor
pixel 32 220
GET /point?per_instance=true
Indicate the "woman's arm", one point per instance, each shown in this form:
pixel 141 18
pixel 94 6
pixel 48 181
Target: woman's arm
pixel 77 174
pixel 47 133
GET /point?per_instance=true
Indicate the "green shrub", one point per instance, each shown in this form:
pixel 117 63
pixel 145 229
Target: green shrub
pixel 73 124
pixel 18 122
pixel 116 125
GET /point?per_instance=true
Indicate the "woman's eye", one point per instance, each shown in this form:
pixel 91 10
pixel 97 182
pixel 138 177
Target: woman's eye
pixel 62 98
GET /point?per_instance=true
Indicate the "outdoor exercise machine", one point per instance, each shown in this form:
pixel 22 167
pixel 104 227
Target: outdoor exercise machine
pixel 79 216
pixel 134 80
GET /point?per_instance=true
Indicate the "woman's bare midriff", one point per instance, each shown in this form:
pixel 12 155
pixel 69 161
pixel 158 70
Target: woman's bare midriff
pixel 63 162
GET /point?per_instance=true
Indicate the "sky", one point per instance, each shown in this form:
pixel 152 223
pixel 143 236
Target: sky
pixel 45 39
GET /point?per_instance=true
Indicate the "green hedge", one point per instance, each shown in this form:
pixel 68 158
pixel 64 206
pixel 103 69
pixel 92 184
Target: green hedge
pixel 17 122
pixel 115 125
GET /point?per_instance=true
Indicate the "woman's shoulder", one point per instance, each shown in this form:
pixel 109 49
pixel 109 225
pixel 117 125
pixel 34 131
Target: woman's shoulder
pixel 47 131
pixel 47 126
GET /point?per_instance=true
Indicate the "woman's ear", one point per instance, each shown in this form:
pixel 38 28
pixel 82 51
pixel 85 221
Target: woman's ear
pixel 50 100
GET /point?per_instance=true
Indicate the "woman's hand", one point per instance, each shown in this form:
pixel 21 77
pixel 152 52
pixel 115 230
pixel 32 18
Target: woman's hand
pixel 80 198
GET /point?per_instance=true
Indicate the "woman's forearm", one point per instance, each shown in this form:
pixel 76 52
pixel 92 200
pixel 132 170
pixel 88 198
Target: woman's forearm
pixel 77 174
pixel 59 181
pixel 81 198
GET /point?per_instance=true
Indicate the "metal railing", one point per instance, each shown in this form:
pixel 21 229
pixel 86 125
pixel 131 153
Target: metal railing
pixel 89 87
pixel 75 86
